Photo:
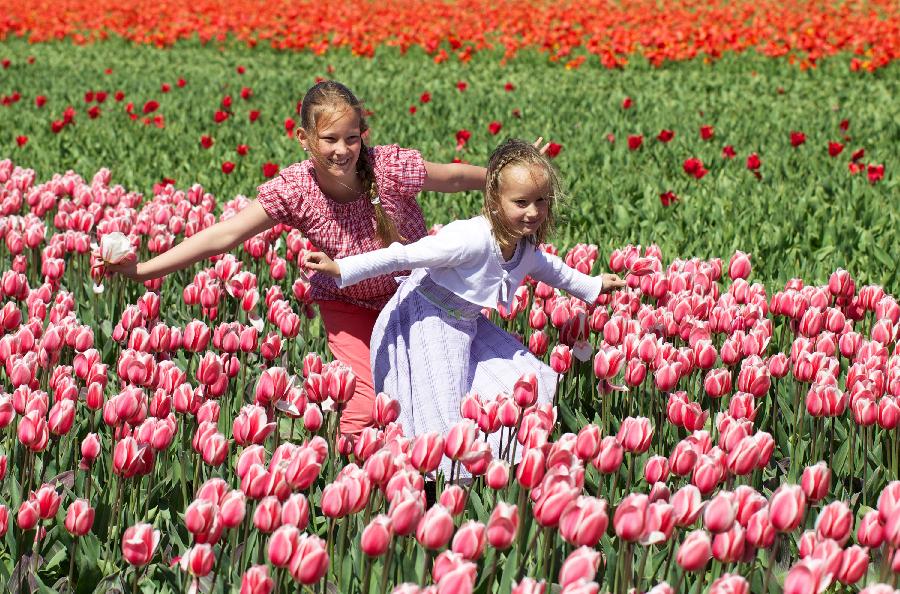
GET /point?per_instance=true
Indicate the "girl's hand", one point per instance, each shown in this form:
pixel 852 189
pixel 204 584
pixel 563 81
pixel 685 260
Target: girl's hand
pixel 320 262
pixel 127 269
pixel 612 282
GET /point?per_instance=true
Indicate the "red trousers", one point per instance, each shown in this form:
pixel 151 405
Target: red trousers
pixel 349 330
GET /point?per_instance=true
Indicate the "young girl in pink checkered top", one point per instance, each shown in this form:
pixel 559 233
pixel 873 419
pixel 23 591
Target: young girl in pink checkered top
pixel 348 199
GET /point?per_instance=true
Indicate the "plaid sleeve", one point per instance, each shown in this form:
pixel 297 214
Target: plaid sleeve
pixel 403 168
pixel 277 200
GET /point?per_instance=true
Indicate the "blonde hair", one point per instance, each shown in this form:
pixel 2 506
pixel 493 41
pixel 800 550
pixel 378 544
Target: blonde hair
pixel 518 152
pixel 333 98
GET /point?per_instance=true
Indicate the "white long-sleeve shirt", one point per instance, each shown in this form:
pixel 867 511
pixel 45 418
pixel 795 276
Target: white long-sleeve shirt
pixel 464 258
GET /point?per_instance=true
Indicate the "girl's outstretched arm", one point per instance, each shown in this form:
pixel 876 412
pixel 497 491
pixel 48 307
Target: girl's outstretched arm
pixel 214 240
pixel 453 177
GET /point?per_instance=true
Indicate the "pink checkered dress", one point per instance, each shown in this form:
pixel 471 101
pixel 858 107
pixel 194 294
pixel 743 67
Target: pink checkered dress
pixel 344 229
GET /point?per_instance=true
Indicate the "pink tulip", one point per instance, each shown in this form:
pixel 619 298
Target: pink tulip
pixel 282 544
pixel 635 434
pixel 695 551
pixel 610 456
pixel 453 498
pixel 29 514
pixel 502 526
pixel 233 508
pixel 835 521
pixel 560 358
pixel 139 543
pixel 787 507
pixel 870 532
pixel 198 560
pixel 309 562
pixel 729 584
pixel 386 410
pixel 256 580
pixel 530 471
pixel 854 565
pixel 588 442
pixel 760 532
pixel 435 528
pixel 582 563
pixel 529 586
pixel 720 512
pixel 460 439
pixel 739 266
pixel 459 580
pixel 687 503
pixel 48 500
pixel 497 475
pixel 629 516
pixel 728 546
pixel 807 577
pixel 251 426
pixel 377 535
pixel 584 521
pixel 656 469
pixel 555 497
pixel 4 520
pixel 525 390
pixel 469 540
pixel 816 481
pixel 427 451
pixel 407 508
pixel 79 517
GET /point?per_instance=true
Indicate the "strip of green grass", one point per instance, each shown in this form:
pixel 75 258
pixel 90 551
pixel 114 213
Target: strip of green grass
pixel 806 216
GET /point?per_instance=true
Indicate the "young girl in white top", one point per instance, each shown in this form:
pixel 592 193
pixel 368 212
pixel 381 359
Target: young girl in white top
pixel 431 345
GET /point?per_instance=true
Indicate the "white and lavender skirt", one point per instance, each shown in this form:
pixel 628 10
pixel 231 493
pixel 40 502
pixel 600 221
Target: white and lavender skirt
pixel 431 347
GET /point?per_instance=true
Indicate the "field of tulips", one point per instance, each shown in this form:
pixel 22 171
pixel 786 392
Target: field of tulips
pixel 727 424
pixel 182 436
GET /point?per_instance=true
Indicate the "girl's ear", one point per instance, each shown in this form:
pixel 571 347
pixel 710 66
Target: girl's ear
pixel 303 138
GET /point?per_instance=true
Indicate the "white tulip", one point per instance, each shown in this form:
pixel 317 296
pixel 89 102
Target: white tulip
pixel 115 247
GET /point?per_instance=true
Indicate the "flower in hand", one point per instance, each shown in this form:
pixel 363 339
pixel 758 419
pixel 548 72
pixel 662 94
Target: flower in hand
pixel 612 282
pixel 115 251
pixel 320 262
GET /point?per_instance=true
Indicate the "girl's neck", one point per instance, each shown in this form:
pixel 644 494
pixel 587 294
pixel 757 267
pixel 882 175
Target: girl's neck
pixel 508 251
pixel 339 190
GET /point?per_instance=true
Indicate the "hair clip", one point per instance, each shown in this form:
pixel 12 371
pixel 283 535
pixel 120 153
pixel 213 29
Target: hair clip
pixel 375 201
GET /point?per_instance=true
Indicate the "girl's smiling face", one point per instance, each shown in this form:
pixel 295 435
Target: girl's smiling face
pixel 337 143
pixel 524 198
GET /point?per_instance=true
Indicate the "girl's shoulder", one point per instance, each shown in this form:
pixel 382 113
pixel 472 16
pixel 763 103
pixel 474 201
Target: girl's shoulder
pixel 402 170
pixel 288 192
